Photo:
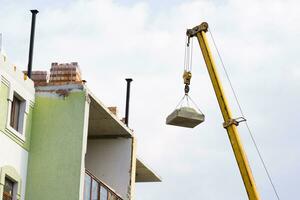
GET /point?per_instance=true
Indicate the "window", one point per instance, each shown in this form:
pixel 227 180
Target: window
pixel 15 113
pixel 94 189
pixel 18 101
pixel 87 187
pixel 103 193
pixel 8 189
pixel 10 183
pixel 111 196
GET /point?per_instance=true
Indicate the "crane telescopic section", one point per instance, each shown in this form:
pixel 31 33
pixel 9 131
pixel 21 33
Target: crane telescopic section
pixel 230 124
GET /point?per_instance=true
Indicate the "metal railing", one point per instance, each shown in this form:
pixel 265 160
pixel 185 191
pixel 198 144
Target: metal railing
pixel 94 189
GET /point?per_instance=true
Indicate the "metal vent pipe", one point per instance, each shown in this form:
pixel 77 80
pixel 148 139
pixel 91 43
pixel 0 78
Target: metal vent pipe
pixel 29 69
pixel 128 80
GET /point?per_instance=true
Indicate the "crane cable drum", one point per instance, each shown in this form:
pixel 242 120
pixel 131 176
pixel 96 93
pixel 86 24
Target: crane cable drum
pixel 186 116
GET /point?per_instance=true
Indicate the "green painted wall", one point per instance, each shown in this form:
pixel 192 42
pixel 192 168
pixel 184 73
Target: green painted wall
pixel 4 91
pixel 55 158
pixel 3 105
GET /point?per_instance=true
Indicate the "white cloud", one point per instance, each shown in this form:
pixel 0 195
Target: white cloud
pixel 258 41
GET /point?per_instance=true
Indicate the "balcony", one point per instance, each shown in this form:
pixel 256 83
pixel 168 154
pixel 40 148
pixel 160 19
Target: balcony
pixel 94 189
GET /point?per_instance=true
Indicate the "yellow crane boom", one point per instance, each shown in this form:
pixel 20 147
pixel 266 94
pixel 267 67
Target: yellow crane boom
pixel 230 124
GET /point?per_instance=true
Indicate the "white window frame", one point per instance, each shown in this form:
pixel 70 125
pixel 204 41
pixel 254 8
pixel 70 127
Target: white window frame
pixel 12 174
pixel 24 109
pixel 14 80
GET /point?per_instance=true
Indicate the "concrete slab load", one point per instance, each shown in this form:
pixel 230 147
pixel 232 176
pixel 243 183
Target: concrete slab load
pixel 185 117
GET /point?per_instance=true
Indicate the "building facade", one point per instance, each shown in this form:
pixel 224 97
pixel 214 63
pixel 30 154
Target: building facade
pixel 58 141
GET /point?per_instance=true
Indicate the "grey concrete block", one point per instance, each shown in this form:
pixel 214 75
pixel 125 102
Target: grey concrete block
pixel 185 117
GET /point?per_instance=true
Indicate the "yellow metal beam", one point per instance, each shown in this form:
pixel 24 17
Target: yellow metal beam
pixel 229 125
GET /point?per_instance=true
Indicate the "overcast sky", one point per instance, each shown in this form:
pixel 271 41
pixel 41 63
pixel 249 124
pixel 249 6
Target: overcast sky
pixel 111 40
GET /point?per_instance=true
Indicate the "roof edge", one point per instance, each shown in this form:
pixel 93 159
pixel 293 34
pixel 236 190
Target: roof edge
pixel 145 173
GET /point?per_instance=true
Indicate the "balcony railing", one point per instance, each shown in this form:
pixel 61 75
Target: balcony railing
pixel 94 189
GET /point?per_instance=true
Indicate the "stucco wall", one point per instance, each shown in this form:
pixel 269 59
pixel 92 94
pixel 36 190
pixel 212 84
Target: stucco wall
pixel 14 147
pixel 15 156
pixel 13 81
pixel 110 161
pixel 4 109
pixel 57 147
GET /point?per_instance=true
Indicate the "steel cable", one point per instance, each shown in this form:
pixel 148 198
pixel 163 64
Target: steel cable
pixel 242 113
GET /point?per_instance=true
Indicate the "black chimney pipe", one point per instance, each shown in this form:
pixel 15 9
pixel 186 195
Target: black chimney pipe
pixel 128 80
pixel 29 69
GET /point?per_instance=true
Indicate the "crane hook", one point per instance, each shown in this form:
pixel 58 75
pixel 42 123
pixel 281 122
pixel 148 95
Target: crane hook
pixel 187 75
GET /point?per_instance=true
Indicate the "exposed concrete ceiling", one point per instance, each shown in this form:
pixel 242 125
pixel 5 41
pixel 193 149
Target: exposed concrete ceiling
pixel 144 173
pixel 103 123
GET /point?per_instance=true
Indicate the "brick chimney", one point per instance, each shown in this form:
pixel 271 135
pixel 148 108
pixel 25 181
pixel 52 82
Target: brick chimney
pixel 65 73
